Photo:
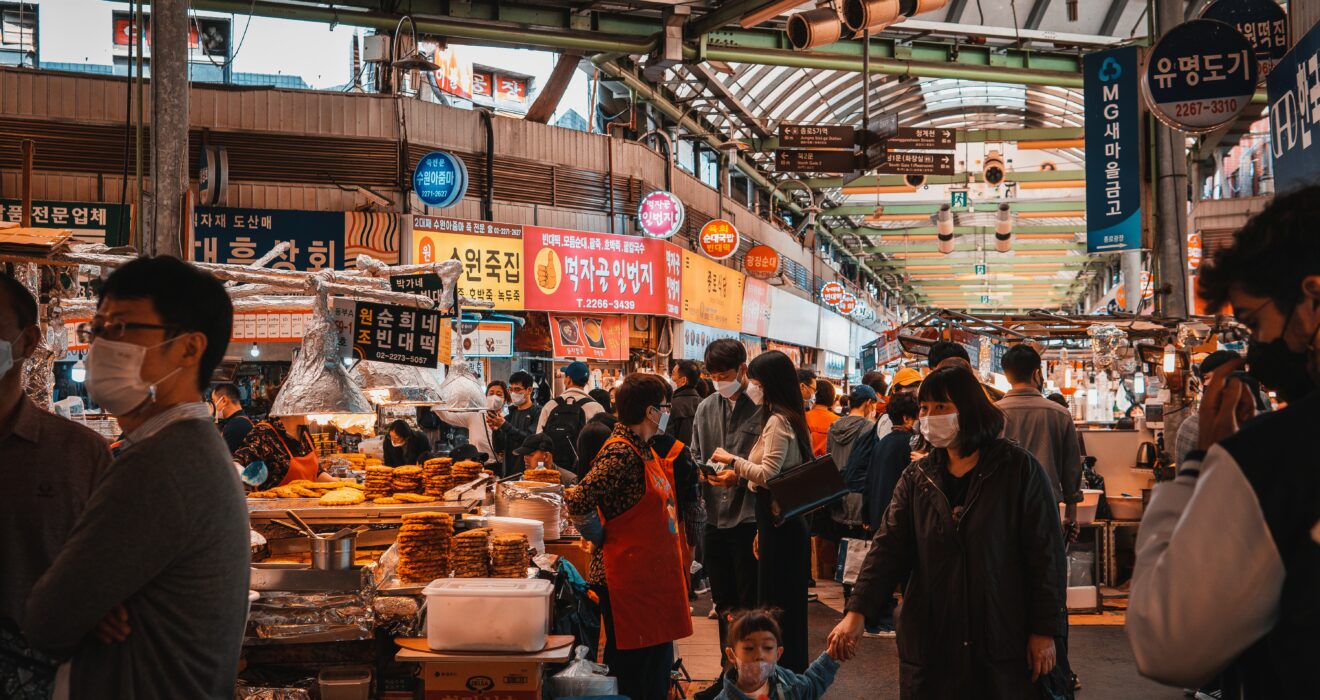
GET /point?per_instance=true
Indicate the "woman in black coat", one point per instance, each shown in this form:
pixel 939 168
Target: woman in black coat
pixel 974 529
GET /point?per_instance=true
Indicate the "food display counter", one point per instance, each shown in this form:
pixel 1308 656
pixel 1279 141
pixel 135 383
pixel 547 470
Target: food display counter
pixel 265 510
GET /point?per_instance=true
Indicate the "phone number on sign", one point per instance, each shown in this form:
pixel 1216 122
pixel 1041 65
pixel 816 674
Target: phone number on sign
pixel 402 359
pixel 1196 109
pixel 611 304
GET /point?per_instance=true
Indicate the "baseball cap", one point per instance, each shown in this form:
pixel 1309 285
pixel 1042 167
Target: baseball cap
pixel 539 442
pixel 861 394
pixel 907 377
pixel 577 371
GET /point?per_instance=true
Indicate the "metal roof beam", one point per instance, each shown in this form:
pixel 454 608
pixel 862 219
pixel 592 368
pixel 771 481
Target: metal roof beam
pixel 927 208
pixel 955 179
pixel 931 230
pixel 716 87
pixel 1112 16
pixel 1037 14
pixel 955 12
pixel 1060 133
pixel 896 248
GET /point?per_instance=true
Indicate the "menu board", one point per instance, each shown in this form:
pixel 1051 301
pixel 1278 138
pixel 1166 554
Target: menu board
pixel 712 293
pixel 485 338
pixel 576 271
pixel 270 327
pixel 396 334
pixel 589 337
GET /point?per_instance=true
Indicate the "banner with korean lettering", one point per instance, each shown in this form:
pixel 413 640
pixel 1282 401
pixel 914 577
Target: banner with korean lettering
pixel 582 271
pixel 270 327
pixel 712 293
pixel 589 337
pixel 756 307
pixel 397 334
pixel 1294 110
pixel 492 256
pixel 318 239
pixel 1113 151
pixel 91 222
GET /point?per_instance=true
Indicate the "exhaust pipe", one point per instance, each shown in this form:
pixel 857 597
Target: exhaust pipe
pixel 873 15
pixel 818 27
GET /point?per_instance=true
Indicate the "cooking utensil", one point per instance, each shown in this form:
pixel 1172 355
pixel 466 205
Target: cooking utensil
pixel 344 532
pixel 1146 455
pixel 334 553
pixel 307 530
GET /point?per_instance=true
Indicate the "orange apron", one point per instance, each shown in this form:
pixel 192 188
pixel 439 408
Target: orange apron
pixel 643 557
pixel 667 466
pixel 304 467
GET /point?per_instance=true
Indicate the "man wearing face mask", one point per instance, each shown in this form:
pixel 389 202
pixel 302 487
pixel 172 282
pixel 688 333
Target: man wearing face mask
pixel 149 594
pixel 234 423
pixel 685 375
pixel 512 430
pixel 1228 555
pixel 50 465
pixel 639 572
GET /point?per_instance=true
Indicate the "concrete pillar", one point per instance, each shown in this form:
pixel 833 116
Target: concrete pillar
pixel 1171 197
pixel 1131 262
pixel 169 128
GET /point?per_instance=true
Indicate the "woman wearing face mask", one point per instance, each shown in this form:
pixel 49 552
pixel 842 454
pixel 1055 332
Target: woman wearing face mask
pixel 640 571
pixel 784 550
pixel 974 529
pixel 403 445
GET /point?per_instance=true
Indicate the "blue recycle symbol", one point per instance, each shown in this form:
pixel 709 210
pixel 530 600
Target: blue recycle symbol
pixel 1110 70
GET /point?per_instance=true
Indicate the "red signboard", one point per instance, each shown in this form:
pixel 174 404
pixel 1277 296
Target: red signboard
pixel 794 353
pixel 481 83
pixel 762 262
pixel 756 307
pixel 660 214
pixel 1194 250
pixel 832 293
pixel 589 337
pixel 718 239
pixel 577 271
pixel 510 89
pixel 847 304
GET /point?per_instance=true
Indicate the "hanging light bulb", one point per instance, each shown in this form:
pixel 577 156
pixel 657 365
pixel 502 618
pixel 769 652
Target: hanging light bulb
pixel 944 228
pixel 1139 384
pixel 255 351
pixel 1170 359
pixel 79 372
pixel 1003 229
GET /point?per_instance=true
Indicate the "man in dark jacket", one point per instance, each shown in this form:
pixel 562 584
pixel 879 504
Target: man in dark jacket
pixel 511 431
pixel 234 423
pixel 686 374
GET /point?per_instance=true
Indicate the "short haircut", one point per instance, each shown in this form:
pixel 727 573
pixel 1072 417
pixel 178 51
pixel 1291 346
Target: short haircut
pixel 602 397
pixel 20 301
pixel 523 379
pixel 187 299
pixel 689 370
pixel 825 394
pixel 876 380
pixel 980 422
pixel 943 350
pixel 901 406
pixel 806 376
pixel 1215 360
pixel 400 427
pixel 725 354
pixel 504 388
pixel 1270 255
pixel 1020 362
pixel 592 438
pixel 746 623
pixel 226 390
pixel 638 392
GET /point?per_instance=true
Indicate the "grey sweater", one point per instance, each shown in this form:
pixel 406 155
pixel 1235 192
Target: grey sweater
pixel 166 534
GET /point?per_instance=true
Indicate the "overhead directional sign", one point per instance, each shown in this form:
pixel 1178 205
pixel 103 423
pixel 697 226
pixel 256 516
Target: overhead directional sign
pixel 816 136
pixel 880 130
pixel 815 161
pixel 913 163
pixel 923 139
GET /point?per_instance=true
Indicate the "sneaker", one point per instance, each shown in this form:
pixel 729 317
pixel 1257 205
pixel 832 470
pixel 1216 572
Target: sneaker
pixel 712 615
pixel 813 596
pixel 880 632
pixel 702 586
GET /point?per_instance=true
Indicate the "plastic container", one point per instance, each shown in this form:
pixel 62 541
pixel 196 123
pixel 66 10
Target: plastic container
pixel 1125 507
pixel 487 614
pixel 1082 597
pixel 345 683
pixel 1085 509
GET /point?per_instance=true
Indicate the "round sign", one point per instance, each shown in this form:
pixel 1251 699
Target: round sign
pixel 212 176
pixel 847 305
pixel 440 179
pixel 762 262
pixel 1147 291
pixel 660 214
pixel 718 239
pixel 832 293
pixel 1193 250
pixel 1262 22
pixel 1200 76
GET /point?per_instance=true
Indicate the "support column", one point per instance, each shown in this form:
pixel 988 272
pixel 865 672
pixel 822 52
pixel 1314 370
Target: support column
pixel 1171 197
pixel 169 128
pixel 1131 262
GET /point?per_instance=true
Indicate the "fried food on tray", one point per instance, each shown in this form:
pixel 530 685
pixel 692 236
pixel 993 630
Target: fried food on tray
pixel 343 497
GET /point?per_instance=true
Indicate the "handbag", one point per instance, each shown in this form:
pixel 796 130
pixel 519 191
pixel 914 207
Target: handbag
pixel 808 487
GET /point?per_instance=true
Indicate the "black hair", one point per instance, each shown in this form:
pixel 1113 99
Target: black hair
pixel 876 380
pixel 602 397
pixel 592 439
pixel 943 350
pixel 638 392
pixel 705 387
pixel 187 299
pixel 1059 399
pixel 725 354
pixel 690 371
pixel 1020 362
pixel 604 418
pixel 226 390
pixel 1270 255
pixel 522 378
pixel 980 422
pixel 504 388
pixel 1215 360
pixel 745 623
pixel 825 394
pixel 902 406
pixel 400 427
pixel 20 300
pixel 806 376
pixel 775 372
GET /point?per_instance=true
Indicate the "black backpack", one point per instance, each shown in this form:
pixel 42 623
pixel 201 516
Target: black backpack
pixel 564 424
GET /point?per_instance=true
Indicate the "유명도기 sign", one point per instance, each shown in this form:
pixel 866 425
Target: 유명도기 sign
pixel 1199 76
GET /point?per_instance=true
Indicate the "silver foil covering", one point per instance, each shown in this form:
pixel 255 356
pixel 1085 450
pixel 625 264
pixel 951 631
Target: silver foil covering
pixel 318 383
pixel 387 383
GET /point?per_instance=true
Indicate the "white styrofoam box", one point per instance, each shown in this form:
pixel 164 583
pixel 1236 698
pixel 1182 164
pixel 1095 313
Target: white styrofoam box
pixel 487 614
pixel 1082 597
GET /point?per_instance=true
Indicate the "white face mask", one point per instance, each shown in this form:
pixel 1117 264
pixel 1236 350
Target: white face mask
pixel 6 357
pixel 397 443
pixel 728 389
pixel 663 423
pixel 940 431
pixel 756 394
pixel 114 375
pixel 810 403
pixel 517 397
pixel 754 674
pixel 495 402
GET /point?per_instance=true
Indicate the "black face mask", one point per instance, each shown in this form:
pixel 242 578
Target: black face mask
pixel 1281 368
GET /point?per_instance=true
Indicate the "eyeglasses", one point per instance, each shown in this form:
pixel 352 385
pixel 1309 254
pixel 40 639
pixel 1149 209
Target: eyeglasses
pixel 87 332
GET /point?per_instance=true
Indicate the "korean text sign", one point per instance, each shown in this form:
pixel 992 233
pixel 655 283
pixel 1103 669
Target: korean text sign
pixel 318 239
pixel 396 334
pixel 1263 22
pixel 589 337
pixel 91 222
pixel 712 293
pixel 1113 151
pixel 1199 76
pixel 1294 104
pixel 582 271
pixel 492 256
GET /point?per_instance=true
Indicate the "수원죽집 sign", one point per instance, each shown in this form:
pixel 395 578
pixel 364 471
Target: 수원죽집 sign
pixel 1199 76
pixel 492 256
pixel 1113 151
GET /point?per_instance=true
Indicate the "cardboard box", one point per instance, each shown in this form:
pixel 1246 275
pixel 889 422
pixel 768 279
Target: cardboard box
pixel 482 681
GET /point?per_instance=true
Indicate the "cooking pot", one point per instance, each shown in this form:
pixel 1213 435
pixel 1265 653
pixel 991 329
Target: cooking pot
pixel 334 553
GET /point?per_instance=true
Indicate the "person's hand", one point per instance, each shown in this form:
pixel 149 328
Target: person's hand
pixel 495 421
pixel 1040 655
pixel 722 456
pixel 842 642
pixel 114 626
pixel 1071 530
pixel 1219 405
pixel 726 478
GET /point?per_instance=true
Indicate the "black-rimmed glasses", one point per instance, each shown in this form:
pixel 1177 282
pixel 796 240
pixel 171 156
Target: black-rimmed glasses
pixel 87 332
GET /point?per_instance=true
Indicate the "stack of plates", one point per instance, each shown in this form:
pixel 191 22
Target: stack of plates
pixel 546 513
pixel 534 530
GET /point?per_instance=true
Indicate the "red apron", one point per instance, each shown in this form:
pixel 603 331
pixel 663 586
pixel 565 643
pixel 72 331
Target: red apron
pixel 667 466
pixel 304 467
pixel 643 557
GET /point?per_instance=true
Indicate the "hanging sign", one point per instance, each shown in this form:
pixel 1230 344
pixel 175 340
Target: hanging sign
pixel 1200 76
pixel 589 337
pixel 832 293
pixel 794 353
pixel 485 338
pixel 696 337
pixel 396 334
pixel 660 214
pixel 212 176
pixel 718 239
pixel 91 222
pixel 1262 22
pixel 1113 151
pixel 317 239
pixel 756 307
pixel 817 136
pixel 847 304
pixel 440 179
pixel 581 271
pixel 1147 290
pixel 428 284
pixel 1193 250
pixel 761 262
pixel 712 293
pixel 492 256
pixel 1294 95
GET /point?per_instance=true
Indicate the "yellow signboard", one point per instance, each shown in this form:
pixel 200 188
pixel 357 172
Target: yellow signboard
pixel 712 293
pixel 492 262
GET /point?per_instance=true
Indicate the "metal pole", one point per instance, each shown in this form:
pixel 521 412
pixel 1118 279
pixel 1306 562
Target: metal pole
pixel 1171 202
pixel 139 30
pixel 1131 262
pixel 169 124
pixel 29 147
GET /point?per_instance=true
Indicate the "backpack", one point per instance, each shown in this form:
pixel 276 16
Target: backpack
pixel 563 425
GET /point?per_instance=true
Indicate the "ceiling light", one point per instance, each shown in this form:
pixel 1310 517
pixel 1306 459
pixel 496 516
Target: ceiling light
pixel 1003 229
pixel 944 222
pixel 819 27
pixel 255 351
pixel 79 372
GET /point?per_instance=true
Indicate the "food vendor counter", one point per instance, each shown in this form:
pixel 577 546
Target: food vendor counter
pixel 1116 458
pixel 264 510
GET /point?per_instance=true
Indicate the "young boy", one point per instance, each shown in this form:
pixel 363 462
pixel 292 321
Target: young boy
pixel 754 654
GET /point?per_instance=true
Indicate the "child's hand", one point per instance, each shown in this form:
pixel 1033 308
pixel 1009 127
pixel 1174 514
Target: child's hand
pixel 842 643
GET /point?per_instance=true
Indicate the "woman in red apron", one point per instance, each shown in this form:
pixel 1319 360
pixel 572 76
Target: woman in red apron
pixel 639 572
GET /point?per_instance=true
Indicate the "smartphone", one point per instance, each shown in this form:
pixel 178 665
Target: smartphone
pixel 711 468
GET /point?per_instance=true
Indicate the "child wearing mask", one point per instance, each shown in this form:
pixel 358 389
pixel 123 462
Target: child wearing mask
pixel 754 653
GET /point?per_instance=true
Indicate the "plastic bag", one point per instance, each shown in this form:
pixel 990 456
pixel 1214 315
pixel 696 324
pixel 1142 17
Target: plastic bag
pixel 1081 569
pixel 584 678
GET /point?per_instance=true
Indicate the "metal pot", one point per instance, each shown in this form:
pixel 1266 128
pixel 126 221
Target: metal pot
pixel 334 554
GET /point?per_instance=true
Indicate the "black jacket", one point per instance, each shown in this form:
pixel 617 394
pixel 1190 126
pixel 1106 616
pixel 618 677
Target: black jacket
pixel 977 587
pixel 413 451
pixel 518 426
pixel 234 429
pixel 682 412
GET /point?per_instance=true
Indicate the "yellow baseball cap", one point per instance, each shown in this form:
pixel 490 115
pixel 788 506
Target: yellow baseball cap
pixel 906 377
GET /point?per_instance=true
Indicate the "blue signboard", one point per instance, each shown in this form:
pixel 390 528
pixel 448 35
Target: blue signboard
pixel 1113 151
pixel 1294 103
pixel 1262 22
pixel 441 179
pixel 317 239
pixel 1200 76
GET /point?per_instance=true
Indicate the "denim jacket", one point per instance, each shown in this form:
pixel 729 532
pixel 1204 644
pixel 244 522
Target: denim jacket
pixel 786 685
